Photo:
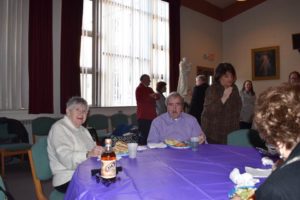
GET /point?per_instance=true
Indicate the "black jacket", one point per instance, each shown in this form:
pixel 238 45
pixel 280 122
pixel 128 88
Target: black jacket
pixel 197 101
pixel 15 127
pixel 284 182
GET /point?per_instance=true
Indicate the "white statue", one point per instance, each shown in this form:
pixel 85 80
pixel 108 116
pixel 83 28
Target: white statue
pixel 184 70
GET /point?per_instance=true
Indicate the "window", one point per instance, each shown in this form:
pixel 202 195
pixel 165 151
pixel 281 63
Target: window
pixel 14 22
pixel 121 40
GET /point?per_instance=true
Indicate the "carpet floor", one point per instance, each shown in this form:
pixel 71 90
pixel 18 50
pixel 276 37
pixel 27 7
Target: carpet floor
pixel 18 181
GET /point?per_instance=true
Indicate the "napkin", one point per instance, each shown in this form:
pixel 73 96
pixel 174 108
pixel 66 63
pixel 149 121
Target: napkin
pixel 242 180
pixel 156 145
pixel 267 161
pixel 257 172
pixel 142 148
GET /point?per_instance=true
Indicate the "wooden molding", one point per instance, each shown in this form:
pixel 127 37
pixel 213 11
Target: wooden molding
pixel 204 8
pixel 215 12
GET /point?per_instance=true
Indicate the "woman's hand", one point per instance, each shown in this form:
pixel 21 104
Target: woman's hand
pixel 95 152
pixel 226 94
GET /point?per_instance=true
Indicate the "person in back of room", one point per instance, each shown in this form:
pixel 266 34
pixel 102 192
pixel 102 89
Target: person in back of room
pixel 175 124
pixel 161 102
pixel 222 105
pixel 69 143
pixel 196 106
pixel 277 118
pixel 294 77
pixel 146 102
pixel 248 101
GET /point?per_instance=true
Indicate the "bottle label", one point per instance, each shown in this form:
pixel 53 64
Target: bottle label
pixel 108 169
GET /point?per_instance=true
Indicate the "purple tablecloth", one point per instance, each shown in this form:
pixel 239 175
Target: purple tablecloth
pixel 167 174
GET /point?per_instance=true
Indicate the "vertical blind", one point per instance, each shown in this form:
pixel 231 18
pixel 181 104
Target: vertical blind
pixel 121 40
pixel 14 16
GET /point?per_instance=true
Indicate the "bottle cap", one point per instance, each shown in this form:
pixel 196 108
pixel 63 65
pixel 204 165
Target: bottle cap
pixel 107 141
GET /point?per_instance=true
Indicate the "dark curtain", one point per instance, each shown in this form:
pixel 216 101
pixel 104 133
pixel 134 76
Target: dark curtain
pixel 70 50
pixel 40 57
pixel 174 17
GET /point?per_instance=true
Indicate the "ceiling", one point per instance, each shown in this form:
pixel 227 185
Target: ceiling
pixel 221 9
pixel 221 3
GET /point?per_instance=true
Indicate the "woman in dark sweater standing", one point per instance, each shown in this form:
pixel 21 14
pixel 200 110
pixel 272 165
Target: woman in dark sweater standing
pixel 222 105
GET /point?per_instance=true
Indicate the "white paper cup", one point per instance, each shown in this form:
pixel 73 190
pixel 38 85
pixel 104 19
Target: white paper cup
pixel 195 143
pixel 132 149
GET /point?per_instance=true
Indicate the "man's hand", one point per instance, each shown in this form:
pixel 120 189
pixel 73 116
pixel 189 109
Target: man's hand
pixel 154 96
pixel 202 139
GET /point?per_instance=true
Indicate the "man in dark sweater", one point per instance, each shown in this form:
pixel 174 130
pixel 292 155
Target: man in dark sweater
pixel 197 101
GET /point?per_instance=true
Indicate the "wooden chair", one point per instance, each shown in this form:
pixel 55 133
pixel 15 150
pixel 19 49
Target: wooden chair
pixel 100 123
pixel 41 126
pixel 245 137
pixel 118 119
pixel 15 149
pixel 239 138
pixel 133 118
pixel 2 196
pixel 40 169
pixel 12 147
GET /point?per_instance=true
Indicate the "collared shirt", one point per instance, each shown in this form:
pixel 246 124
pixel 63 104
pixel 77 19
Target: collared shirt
pixel 182 129
pixel 67 147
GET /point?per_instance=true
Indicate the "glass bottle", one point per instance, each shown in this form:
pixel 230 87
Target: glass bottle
pixel 109 162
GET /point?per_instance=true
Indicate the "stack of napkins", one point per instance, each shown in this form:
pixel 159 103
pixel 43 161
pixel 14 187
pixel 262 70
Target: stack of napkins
pixel 156 145
pixel 242 180
pixel 258 173
pixel 267 161
pixel 142 148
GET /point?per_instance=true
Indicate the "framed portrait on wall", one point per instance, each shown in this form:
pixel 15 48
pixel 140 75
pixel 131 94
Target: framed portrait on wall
pixel 265 63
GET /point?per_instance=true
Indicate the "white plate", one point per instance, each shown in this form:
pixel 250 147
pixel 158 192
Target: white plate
pixel 122 154
pixel 175 147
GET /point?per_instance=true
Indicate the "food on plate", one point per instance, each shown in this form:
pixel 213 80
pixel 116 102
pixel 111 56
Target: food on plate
pixel 244 193
pixel 175 143
pixel 120 147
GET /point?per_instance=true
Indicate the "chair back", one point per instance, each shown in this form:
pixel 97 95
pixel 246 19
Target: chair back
pixel 40 169
pixel 118 119
pixel 40 159
pixel 2 195
pixel 41 126
pixel 133 119
pixel 239 137
pixel 98 122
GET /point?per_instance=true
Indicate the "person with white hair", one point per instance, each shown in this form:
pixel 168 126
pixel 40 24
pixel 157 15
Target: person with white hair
pixel 175 124
pixel 69 143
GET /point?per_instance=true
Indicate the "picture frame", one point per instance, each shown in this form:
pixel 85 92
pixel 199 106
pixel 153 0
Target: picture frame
pixel 265 63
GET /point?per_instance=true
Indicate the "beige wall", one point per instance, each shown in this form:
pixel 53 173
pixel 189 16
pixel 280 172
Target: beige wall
pixel 200 35
pixel 268 24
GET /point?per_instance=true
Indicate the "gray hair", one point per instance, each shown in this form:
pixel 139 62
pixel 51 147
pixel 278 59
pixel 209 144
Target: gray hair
pixel 77 100
pixel 174 95
pixel 201 77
